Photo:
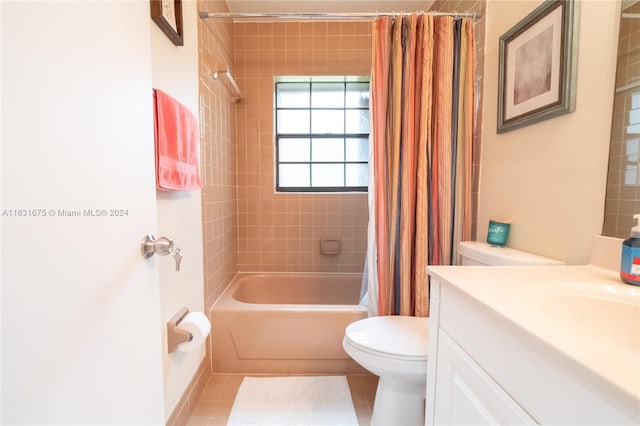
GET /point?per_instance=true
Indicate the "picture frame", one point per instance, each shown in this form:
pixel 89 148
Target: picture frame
pixel 537 66
pixel 168 15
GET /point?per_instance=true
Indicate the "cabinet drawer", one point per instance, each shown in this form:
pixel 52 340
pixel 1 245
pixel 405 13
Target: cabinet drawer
pixel 466 395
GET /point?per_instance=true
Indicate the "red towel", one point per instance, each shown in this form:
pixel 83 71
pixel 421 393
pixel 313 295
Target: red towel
pixel 176 139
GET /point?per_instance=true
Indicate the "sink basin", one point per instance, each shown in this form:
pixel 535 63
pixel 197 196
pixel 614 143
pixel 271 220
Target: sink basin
pixel 594 312
pixel 608 319
pixel 598 322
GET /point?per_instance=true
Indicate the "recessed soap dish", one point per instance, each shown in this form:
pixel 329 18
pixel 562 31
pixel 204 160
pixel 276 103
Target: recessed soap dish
pixel 330 246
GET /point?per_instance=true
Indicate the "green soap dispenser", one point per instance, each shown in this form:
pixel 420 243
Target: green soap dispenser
pixel 630 263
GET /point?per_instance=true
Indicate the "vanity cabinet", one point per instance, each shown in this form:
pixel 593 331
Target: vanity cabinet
pixel 485 368
pixel 466 395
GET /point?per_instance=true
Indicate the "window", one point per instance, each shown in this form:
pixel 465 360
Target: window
pixel 322 134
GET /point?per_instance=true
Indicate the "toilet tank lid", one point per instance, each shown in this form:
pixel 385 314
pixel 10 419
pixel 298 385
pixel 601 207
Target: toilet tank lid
pixel 502 256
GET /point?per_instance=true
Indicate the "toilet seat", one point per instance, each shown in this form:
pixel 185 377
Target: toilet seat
pixel 395 337
pixel 394 348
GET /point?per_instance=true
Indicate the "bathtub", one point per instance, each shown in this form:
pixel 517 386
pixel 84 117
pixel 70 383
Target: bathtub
pixel 285 323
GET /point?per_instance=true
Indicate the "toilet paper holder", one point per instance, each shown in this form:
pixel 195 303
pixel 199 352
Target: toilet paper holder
pixel 175 336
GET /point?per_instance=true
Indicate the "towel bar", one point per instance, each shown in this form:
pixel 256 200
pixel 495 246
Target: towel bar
pixel 229 76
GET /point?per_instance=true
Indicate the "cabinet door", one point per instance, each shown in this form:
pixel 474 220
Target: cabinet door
pixel 465 394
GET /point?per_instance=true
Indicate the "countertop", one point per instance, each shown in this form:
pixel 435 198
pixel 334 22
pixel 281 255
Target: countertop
pixel 584 312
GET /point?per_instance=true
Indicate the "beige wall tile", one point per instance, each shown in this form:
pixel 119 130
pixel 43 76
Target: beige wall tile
pixel 295 222
pixel 217 115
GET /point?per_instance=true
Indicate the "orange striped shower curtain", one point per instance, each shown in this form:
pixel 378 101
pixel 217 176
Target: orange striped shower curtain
pixel 422 99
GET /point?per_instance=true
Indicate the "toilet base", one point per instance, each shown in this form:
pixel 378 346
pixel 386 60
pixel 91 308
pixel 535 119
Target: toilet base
pixel 398 403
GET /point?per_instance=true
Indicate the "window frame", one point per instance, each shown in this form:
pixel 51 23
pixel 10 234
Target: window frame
pixel 311 136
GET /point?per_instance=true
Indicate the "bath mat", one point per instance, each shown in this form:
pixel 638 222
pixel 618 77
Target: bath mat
pixel 293 401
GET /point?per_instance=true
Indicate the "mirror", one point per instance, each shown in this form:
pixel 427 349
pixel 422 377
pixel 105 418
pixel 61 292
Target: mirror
pixel 623 185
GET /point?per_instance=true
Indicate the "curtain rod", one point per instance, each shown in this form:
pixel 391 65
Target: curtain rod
pixel 329 16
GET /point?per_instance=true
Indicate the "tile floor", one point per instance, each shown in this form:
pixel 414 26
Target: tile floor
pixel 214 405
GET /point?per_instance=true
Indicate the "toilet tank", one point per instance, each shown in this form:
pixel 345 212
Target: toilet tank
pixel 480 253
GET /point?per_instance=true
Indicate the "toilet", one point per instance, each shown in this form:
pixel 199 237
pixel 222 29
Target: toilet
pixel 395 347
pixel 474 253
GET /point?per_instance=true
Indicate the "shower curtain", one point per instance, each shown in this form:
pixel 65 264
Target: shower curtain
pixel 422 98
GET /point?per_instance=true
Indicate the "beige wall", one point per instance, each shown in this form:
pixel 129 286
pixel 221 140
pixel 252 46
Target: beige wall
pixel 217 115
pixel 548 179
pixel 207 48
pixel 281 232
pixel 175 71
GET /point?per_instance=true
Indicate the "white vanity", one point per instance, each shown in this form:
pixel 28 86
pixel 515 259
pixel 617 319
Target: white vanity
pixel 533 345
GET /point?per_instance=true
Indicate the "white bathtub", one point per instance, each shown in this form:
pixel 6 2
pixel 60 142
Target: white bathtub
pixel 285 323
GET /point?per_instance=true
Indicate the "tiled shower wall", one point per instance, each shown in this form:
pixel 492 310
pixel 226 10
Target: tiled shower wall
pixel 281 231
pixel 253 228
pixel 623 184
pixel 217 154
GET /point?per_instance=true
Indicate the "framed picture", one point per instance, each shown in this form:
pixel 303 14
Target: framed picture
pixel 168 15
pixel 537 68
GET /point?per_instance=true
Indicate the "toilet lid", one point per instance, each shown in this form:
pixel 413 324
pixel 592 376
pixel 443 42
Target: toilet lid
pixel 395 336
